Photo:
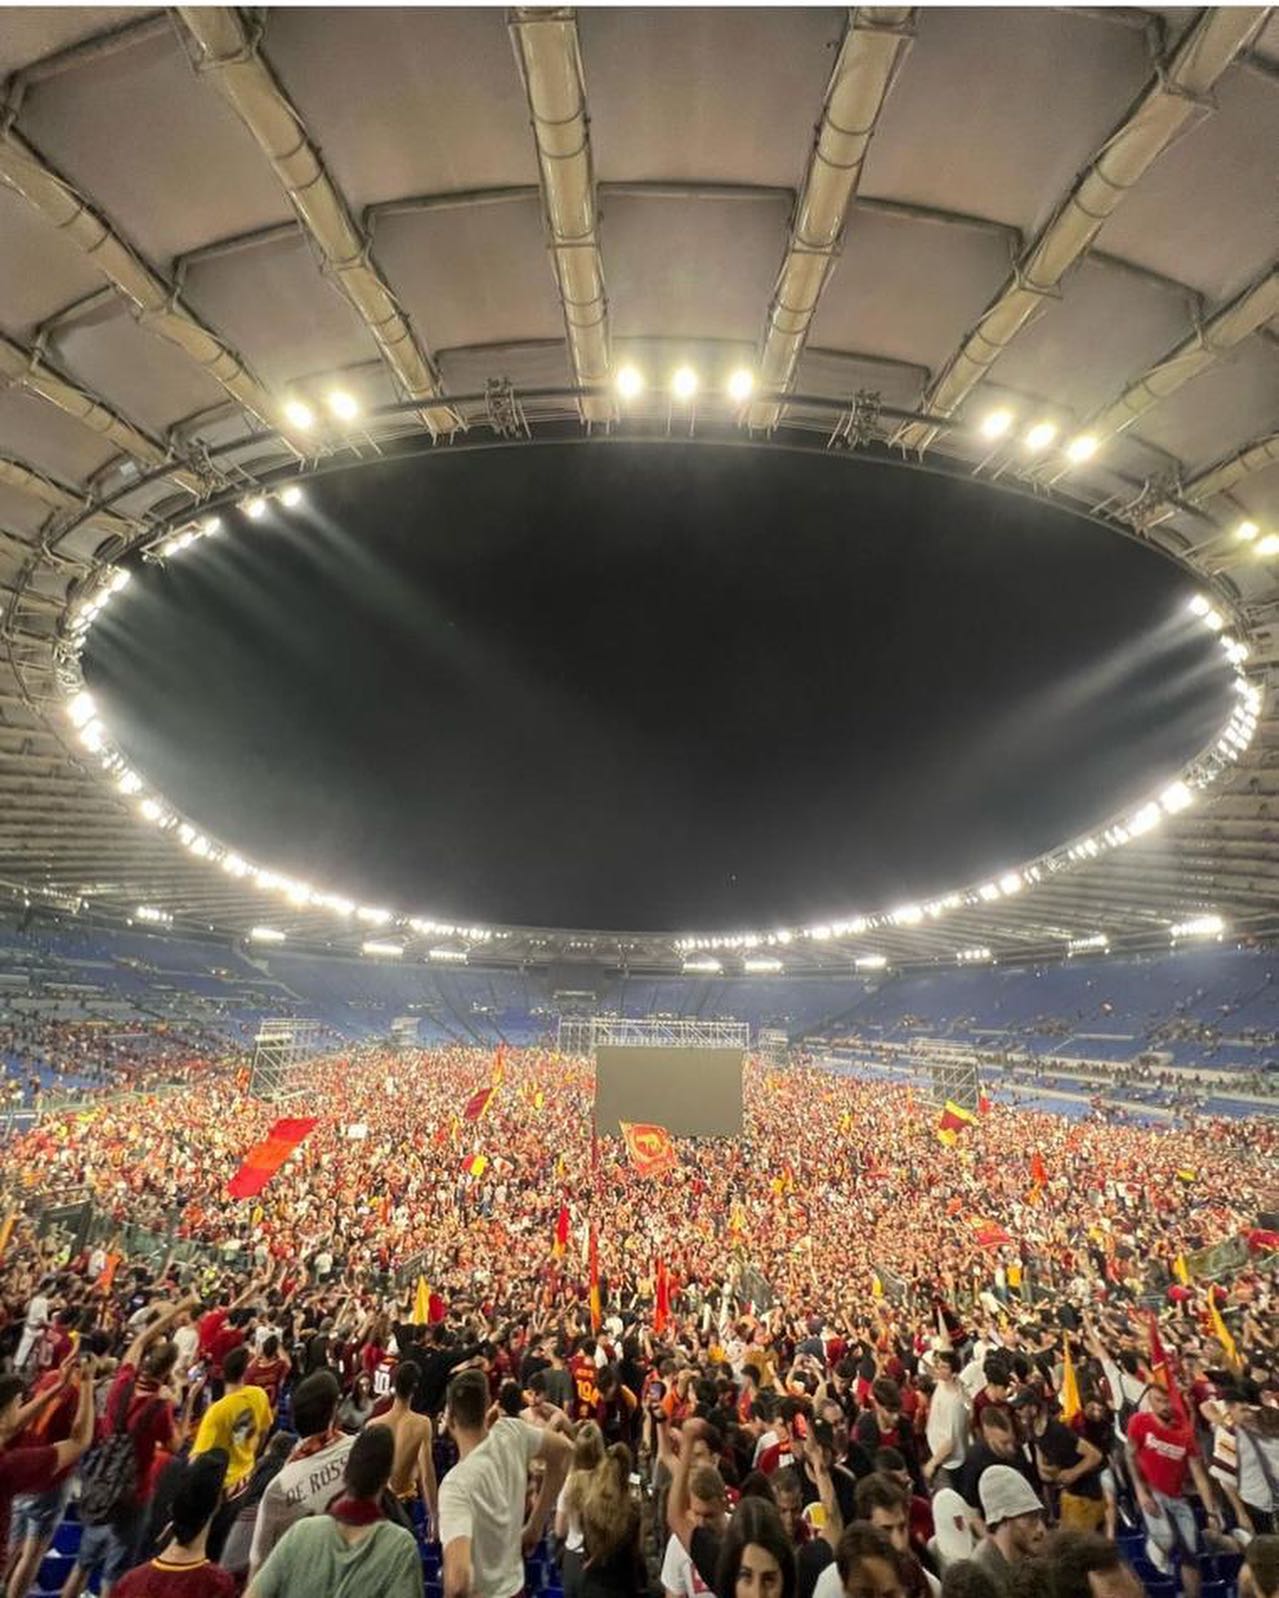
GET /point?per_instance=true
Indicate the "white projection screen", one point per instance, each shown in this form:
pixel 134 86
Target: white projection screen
pixel 691 1092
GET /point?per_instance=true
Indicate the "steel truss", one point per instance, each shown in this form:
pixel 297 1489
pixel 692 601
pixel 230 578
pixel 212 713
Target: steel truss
pixel 585 1034
pixel 955 1077
pixel 285 1055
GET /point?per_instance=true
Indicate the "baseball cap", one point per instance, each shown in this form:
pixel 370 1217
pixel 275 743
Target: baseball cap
pixel 1005 1493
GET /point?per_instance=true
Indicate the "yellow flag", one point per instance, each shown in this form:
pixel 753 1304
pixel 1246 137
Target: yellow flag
pixel 1070 1405
pixel 1181 1270
pixel 1222 1335
pixel 6 1229
pixel 421 1304
pixel 539 1099
pixel 876 1286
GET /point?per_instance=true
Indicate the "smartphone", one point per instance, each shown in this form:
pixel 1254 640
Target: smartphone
pixel 657 1390
pixel 800 1427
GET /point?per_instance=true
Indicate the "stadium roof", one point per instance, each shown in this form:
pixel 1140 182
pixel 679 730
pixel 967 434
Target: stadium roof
pixel 898 220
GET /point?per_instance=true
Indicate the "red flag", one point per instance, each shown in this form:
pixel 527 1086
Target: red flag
pixel 594 1258
pixel 561 1232
pixel 265 1159
pixel 1038 1171
pixel 499 1065
pixel 475 1164
pixel 983 1104
pixel 477 1104
pixel 649 1147
pixel 662 1299
pixel 1161 1368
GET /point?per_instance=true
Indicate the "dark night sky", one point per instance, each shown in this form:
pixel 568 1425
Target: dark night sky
pixel 654 687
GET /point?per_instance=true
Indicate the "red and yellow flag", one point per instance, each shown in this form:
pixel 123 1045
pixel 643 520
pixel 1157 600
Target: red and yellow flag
pixel 661 1299
pixel 561 1232
pixel 475 1164
pixel 6 1230
pixel 1070 1404
pixel 499 1066
pixel 1221 1333
pixel 649 1147
pixel 594 1267
pixel 1161 1367
pixel 478 1103
pixel 954 1118
pixel 1038 1171
pixel 265 1159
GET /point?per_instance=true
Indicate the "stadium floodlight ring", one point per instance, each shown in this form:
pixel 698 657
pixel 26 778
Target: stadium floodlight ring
pixel 169 538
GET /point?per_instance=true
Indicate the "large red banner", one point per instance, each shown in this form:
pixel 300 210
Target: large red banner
pixel 265 1159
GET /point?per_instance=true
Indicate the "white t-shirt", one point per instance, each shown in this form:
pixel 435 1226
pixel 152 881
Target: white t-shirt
pixel 186 1339
pixel 302 1487
pixel 573 1539
pixel 948 1418
pixel 1254 1483
pixel 482 1498
pixel 679 1573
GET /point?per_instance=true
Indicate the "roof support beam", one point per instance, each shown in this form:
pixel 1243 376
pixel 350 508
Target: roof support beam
pixel 25 369
pixel 1222 477
pixel 158 306
pixel 1176 96
pixel 13 474
pixel 549 55
pixel 1220 334
pixel 874 43
pixel 231 57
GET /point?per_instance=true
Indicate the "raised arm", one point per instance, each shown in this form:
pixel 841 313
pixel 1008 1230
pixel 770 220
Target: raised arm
pixel 157 1328
pixel 556 1452
pixel 82 1433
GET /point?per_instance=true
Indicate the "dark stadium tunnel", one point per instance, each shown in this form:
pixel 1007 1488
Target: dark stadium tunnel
pixel 654 686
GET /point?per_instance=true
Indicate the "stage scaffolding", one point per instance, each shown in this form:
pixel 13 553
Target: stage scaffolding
pixel 285 1054
pixel 773 1047
pixel 584 1034
pixel 955 1078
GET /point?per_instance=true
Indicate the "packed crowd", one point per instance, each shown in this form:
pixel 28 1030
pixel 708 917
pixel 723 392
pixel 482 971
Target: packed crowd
pixel 834 1348
pixel 43 1056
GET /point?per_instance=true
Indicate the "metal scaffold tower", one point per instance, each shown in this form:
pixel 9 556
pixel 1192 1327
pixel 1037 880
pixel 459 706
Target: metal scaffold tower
pixel 285 1058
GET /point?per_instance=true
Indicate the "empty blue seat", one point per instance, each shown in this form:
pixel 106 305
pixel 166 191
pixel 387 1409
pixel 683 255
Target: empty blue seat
pixel 66 1540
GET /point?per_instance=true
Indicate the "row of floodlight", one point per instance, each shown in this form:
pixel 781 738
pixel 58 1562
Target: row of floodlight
pixel 301 415
pixel 683 384
pixel 254 506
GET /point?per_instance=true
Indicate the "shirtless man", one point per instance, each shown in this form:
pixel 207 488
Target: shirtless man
pixel 541 1412
pixel 413 1472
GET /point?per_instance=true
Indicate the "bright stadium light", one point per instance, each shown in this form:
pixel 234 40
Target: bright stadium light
pixel 741 385
pixel 82 708
pixel 629 382
pixel 1210 926
pixel 1010 882
pixel 447 956
pixel 342 405
pixel 119 579
pixel 300 415
pixel 1096 940
pixel 1269 545
pixel 92 736
pixel 908 915
pixel 996 424
pixel 1246 531
pixel 1214 621
pixel 980 956
pixel 254 507
pixel 988 892
pixel 387 951
pixel 129 782
pixel 1145 820
pixel 871 962
pixel 266 935
pixel 1040 436
pixel 1175 797
pixel 211 525
pixel 291 497
pixel 684 383
pixel 1198 605
pixel 374 918
pixel 760 966
pixel 151 810
pixel 702 967
pixel 148 912
pixel 1082 448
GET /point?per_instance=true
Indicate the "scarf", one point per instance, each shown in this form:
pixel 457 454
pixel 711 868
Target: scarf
pixel 313 1445
pixel 356 1511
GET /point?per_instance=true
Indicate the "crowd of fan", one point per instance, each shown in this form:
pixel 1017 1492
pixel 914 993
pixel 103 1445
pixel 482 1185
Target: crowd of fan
pixel 50 1058
pixel 284 1417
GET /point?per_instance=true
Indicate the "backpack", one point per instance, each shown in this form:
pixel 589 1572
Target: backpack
pixel 109 1481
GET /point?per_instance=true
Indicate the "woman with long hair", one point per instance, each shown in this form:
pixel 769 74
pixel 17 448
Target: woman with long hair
pixel 614 1563
pixel 588 1455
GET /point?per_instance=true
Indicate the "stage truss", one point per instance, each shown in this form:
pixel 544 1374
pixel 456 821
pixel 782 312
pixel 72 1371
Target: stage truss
pixel 955 1078
pixel 285 1052
pixel 584 1034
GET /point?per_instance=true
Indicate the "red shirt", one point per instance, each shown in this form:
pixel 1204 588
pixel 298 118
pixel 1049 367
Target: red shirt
pixel 159 1579
pixel 55 1423
pixel 22 1470
pixel 1162 1453
pixel 583 1369
pixel 209 1326
pixel 150 1422
pixel 221 1344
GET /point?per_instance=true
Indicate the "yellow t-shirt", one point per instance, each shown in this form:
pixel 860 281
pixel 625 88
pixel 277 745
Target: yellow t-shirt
pixel 238 1423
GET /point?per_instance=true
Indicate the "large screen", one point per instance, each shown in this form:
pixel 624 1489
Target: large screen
pixel 691 1092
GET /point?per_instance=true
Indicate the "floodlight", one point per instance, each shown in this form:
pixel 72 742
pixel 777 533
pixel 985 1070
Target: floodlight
pixel 1010 882
pixel 447 956
pixel 300 415
pixel 1147 818
pixel 129 782
pixel 740 385
pixel 1040 436
pixel 92 735
pixel 1269 545
pixel 211 525
pixel 629 382
pixel 342 405
pixel 1246 531
pixel 909 915
pixel 254 507
pixel 1082 448
pixel 987 892
pixel 1210 926
pixel 702 967
pixel 1199 606
pixel 119 579
pixel 1213 620
pixel 151 811
pixel 82 708
pixel 1176 796
pixel 871 962
pixel 389 951
pixel 291 496
pixel 684 383
pixel 995 424
pixel 376 918
pixel 759 966
pixel 266 935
